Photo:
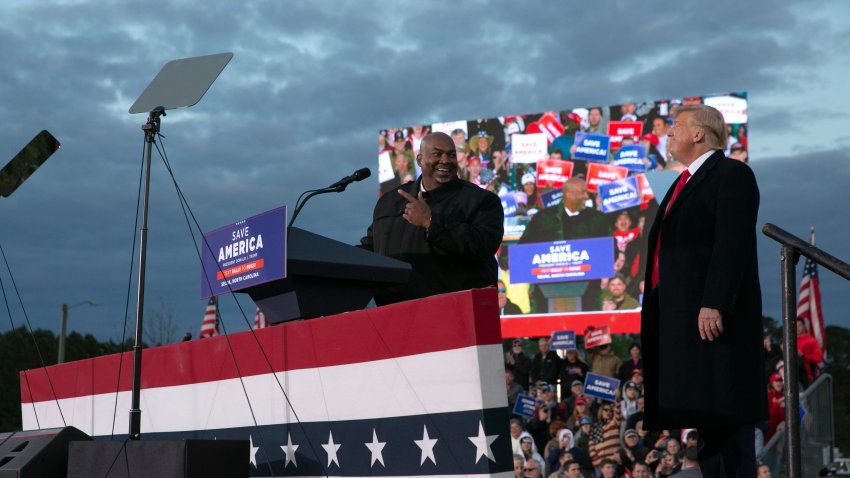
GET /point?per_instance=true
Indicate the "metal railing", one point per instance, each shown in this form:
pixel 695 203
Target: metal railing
pixel 792 248
pixel 817 433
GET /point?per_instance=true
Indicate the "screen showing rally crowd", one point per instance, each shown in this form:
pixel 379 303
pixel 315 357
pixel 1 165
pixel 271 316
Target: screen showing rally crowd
pixel 575 187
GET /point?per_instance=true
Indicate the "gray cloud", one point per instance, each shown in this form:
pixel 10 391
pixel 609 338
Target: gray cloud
pixel 308 89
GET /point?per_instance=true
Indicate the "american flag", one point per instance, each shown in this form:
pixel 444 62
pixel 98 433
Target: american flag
pixel 808 302
pixel 209 327
pixel 260 321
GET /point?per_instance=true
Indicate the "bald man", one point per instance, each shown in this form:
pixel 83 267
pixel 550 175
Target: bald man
pixel 447 229
pixel 570 220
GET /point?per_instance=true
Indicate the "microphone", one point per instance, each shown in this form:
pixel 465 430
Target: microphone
pixel 358 175
pixel 336 187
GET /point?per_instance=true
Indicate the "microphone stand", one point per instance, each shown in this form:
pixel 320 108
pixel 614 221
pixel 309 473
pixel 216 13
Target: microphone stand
pixel 315 192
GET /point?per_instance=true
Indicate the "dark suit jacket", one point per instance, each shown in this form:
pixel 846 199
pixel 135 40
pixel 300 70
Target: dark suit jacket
pixel 707 259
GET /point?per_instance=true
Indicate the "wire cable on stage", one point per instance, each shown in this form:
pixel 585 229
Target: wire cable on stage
pixel 127 300
pixel 32 335
pixel 187 213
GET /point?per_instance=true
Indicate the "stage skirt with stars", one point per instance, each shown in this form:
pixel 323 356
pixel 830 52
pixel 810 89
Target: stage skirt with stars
pixel 411 389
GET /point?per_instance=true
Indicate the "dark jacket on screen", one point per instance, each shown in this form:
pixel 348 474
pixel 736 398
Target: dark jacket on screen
pixel 456 253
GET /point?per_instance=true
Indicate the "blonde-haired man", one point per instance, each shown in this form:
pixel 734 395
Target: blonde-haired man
pixel 701 318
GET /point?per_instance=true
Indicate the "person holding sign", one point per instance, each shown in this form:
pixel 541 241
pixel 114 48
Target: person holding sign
pixel 447 229
pixel 701 320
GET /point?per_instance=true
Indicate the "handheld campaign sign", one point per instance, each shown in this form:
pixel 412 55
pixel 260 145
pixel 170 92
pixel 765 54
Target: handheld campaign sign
pixel 592 147
pixel 553 173
pixel 598 174
pixel 549 125
pixel 645 189
pixel 733 108
pixel 563 340
pixel 509 204
pixel 385 168
pixel 243 254
pixel 625 128
pixel 597 337
pixel 562 261
pixel 631 156
pixel 621 194
pixel 600 386
pixel 551 198
pixel 528 148
pixel 525 405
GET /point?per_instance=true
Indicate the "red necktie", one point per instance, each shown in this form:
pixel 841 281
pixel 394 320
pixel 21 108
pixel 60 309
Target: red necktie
pixel 683 179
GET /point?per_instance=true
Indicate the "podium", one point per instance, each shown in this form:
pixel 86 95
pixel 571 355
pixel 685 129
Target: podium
pixel 325 277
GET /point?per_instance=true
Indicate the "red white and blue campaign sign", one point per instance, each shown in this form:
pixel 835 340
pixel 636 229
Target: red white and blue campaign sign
pixel 562 261
pixel 592 147
pixel 625 128
pixel 621 194
pixel 598 174
pixel 525 405
pixel 366 394
pixel 563 340
pixel 600 386
pixel 509 204
pixel 551 198
pixel 553 173
pixel 631 156
pixel 598 336
pixel 243 254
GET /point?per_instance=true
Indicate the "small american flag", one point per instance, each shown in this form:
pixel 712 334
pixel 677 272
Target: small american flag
pixel 260 320
pixel 808 303
pixel 209 327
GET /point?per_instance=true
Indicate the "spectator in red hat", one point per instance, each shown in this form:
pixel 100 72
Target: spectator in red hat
pixel 775 404
pixel 650 141
pixel 581 410
pixel 473 167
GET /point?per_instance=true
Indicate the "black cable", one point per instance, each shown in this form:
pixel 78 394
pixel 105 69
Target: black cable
pixel 187 211
pixel 23 342
pixel 32 335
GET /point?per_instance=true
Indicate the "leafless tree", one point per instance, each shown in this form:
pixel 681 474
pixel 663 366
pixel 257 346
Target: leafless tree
pixel 160 325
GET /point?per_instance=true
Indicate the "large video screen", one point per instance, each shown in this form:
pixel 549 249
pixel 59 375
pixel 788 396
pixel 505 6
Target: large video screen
pixel 577 190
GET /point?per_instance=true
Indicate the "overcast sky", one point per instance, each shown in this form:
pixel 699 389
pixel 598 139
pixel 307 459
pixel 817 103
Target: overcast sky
pixel 312 82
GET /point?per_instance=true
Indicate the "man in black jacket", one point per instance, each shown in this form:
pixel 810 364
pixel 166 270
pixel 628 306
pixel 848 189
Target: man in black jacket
pixel 545 365
pixel 446 228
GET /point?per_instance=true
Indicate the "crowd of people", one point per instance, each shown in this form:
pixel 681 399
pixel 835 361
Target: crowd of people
pixel 572 434
pixel 485 158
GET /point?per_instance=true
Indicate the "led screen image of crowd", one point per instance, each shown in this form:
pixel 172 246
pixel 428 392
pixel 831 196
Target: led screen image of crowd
pixel 575 189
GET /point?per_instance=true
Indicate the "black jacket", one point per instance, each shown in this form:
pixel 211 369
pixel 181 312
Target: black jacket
pixel 708 259
pixel 456 253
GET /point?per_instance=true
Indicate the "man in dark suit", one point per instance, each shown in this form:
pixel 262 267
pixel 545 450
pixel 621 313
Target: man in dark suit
pixel 701 320
pixel 569 220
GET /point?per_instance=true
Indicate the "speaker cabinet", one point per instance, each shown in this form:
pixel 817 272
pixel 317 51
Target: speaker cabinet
pixel 159 459
pixel 37 453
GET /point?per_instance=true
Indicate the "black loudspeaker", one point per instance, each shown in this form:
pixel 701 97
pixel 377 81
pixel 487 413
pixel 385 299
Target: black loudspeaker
pixel 159 459
pixel 37 453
